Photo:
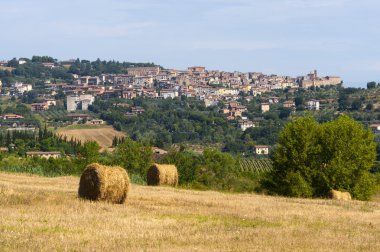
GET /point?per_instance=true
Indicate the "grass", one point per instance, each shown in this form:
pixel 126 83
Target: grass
pixel 44 214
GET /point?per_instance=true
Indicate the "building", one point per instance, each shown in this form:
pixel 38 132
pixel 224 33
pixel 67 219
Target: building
pixel 95 122
pixel 262 149
pixel 313 105
pixel 138 110
pixel 78 117
pixel 375 128
pixel 129 94
pixel 49 64
pixel 289 104
pixel 197 70
pixel 312 80
pixel 43 154
pixel 245 124
pixel 22 129
pixel 168 93
pixel 265 107
pixel 11 117
pixel 143 71
pixel 80 102
pixel 22 88
pixel 39 106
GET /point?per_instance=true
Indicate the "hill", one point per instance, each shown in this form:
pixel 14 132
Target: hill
pixel 44 214
pixel 103 135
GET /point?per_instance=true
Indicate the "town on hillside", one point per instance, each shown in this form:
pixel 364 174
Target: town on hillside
pixel 64 92
pixel 44 91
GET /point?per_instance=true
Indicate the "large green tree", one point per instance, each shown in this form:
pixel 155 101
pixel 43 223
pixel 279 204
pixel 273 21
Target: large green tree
pixel 134 156
pixel 311 159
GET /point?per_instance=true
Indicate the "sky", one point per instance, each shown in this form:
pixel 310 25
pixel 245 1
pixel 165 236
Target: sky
pixel 285 37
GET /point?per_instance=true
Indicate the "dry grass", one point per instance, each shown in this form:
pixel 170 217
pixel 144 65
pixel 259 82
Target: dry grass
pixel 44 214
pixel 102 135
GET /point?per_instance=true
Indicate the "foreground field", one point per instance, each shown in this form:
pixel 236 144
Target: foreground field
pixel 45 214
pixel 103 135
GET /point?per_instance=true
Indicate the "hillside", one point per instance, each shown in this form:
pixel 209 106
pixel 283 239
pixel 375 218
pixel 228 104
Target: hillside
pixel 44 214
pixel 103 135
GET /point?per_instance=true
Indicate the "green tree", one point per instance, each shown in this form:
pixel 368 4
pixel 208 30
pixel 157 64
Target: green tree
pixel 312 159
pixel 371 85
pixel 134 156
pixel 89 151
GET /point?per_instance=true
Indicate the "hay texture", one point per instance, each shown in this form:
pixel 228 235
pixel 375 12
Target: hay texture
pixel 338 195
pixel 162 175
pixel 104 183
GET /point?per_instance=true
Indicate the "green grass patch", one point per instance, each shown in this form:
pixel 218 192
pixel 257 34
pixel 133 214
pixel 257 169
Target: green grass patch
pixel 219 220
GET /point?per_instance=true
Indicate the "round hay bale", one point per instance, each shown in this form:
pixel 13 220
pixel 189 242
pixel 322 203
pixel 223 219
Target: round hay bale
pixel 104 183
pixel 159 174
pixel 338 195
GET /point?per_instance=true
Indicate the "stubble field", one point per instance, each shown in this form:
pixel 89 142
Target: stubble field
pixel 44 214
pixel 103 135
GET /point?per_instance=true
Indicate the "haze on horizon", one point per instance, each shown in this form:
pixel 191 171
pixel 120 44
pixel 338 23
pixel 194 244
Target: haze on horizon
pixel 289 37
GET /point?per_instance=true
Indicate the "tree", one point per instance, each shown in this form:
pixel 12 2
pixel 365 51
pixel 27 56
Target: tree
pixel 371 85
pixel 299 101
pixel 311 159
pixel 89 151
pixel 356 104
pixel 343 101
pixel 134 156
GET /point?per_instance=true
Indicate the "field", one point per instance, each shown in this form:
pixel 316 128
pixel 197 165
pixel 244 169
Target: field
pixel 103 135
pixel 44 214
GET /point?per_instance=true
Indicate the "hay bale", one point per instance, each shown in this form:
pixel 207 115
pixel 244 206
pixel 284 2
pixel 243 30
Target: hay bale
pixel 162 175
pixel 338 195
pixel 104 183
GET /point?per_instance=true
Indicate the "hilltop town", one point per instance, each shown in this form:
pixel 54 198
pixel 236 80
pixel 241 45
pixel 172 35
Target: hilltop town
pixel 233 111
pixel 67 87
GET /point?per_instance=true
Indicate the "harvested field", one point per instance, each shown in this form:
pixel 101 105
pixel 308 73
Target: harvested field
pixel 44 214
pixel 102 135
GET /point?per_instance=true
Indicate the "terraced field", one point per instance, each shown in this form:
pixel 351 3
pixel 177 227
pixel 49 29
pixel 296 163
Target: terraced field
pixel 256 165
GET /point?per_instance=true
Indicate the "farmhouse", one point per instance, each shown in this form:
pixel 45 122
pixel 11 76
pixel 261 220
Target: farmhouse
pixel 262 149
pixel 11 117
pixel 78 117
pixel 138 110
pixel 95 122
pixel 22 88
pixel 265 107
pixel 42 154
pixel 313 105
pixel 245 124
pixel 39 106
pixel 289 104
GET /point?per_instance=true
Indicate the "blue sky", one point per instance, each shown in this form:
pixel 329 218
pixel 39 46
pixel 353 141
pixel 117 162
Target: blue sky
pixel 290 37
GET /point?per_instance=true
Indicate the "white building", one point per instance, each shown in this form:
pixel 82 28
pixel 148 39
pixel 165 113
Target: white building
pixel 168 93
pixel 313 105
pixel 22 88
pixel 262 149
pixel 245 124
pixel 79 102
